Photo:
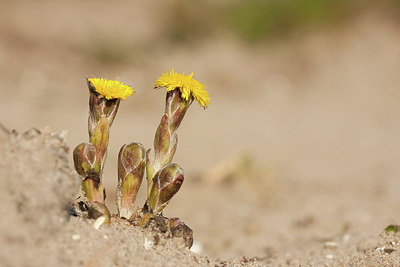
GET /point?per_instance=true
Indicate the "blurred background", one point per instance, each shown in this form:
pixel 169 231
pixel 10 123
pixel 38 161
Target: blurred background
pixel 300 140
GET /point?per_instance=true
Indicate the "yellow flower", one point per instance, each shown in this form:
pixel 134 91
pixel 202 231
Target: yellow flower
pixel 187 86
pixel 111 89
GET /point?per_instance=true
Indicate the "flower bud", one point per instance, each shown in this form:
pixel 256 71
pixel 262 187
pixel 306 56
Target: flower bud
pixel 131 166
pixel 166 183
pixel 84 158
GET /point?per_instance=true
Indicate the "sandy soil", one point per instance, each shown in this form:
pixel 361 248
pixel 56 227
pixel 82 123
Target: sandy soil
pixel 295 162
pixel 38 184
pixel 37 230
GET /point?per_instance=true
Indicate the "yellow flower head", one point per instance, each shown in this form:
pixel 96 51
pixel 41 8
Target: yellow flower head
pixel 186 85
pixel 111 89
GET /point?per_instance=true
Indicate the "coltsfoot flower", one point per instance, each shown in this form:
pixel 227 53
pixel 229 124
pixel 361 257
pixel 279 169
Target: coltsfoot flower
pixel 181 91
pixel 104 100
pixel 111 89
pixel 188 86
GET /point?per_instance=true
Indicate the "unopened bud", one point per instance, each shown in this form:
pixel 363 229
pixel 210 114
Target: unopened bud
pixel 166 183
pixel 84 158
pixel 131 166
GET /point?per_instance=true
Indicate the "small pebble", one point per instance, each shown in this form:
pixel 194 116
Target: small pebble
pixel 99 222
pixel 148 244
pixel 196 260
pixel 329 256
pixel 388 250
pixel 196 248
pixel 346 238
pixel 330 244
pixel 380 248
pixel 105 237
pixel 76 237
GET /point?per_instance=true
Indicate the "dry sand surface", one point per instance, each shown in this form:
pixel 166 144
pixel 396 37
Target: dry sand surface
pixel 295 162
pixel 38 231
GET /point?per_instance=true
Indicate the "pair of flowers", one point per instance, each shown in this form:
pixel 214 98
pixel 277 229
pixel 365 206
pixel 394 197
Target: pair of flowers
pixel 164 178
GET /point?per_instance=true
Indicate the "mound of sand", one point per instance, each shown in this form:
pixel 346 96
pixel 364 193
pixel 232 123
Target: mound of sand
pixel 36 187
